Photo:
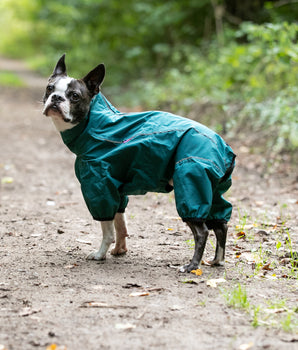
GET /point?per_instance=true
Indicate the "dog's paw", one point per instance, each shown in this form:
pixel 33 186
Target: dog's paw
pixel 118 251
pixel 215 262
pixel 188 267
pixel 97 255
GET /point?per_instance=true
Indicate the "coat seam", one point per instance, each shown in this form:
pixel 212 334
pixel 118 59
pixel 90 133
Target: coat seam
pixel 200 158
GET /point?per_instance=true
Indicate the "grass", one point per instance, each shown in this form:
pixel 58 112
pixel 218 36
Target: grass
pixel 273 314
pixel 237 297
pixel 10 79
pixel 267 251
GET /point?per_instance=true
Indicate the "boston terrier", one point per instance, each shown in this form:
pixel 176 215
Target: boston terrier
pixel 122 154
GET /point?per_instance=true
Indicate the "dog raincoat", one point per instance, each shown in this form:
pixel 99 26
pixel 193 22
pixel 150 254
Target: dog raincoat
pixel 120 154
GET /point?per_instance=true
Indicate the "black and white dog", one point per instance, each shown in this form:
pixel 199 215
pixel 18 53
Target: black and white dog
pixel 70 103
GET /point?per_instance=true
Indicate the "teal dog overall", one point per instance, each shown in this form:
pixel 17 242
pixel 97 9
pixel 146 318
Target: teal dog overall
pixel 120 154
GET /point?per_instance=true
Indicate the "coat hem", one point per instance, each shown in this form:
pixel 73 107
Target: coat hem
pixel 211 224
pixel 121 211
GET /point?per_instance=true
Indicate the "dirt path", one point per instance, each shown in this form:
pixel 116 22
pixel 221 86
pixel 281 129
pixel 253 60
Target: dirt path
pixel 46 233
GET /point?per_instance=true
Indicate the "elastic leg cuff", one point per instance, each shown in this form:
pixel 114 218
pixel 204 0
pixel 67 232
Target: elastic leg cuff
pixel 211 224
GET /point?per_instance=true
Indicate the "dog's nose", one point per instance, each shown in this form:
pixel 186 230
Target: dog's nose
pixel 57 98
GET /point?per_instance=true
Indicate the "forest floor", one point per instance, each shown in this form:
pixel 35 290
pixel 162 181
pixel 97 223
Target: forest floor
pixel 51 297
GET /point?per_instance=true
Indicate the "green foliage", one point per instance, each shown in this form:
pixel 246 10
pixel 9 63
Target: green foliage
pixel 257 75
pixel 187 56
pixel 130 36
pixel 10 79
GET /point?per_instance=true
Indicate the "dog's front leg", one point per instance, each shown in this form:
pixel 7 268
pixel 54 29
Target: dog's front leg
pixel 107 239
pixel 121 234
pixel 200 233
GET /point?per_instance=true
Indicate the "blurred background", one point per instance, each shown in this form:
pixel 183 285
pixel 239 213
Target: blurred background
pixel 232 64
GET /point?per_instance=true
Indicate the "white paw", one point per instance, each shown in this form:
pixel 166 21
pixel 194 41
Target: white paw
pixel 97 255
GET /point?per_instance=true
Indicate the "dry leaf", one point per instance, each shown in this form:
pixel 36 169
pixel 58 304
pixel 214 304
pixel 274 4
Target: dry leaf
pixel 83 241
pixel 70 266
pixel 213 283
pixel 240 235
pixel 52 347
pixel 246 346
pixel 267 267
pixel 275 311
pixel 56 347
pixel 97 304
pixel 27 311
pixel 125 326
pixel 249 257
pixel 6 180
pixel 176 307
pixel 197 272
pixel 190 281
pixel 139 294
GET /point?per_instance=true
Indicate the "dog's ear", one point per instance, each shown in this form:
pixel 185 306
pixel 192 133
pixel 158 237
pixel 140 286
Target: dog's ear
pixel 94 79
pixel 60 68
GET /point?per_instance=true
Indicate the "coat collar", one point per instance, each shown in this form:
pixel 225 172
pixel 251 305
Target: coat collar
pixel 70 135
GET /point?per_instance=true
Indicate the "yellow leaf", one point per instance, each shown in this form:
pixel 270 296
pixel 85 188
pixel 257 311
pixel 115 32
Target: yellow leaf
pixel 7 180
pixel 52 347
pixel 197 272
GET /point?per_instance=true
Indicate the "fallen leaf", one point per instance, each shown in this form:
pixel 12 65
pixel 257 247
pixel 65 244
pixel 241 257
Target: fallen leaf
pixel 6 180
pixel 190 281
pixel 97 304
pixel 197 272
pixel 275 311
pixel 131 285
pixel 246 346
pixel 267 267
pixel 56 347
pixel 52 347
pixel 240 235
pixel 27 311
pixel 70 266
pixel 176 307
pixel 249 257
pixel 125 326
pixel 139 294
pixel 35 235
pixel 213 283
pixel 83 241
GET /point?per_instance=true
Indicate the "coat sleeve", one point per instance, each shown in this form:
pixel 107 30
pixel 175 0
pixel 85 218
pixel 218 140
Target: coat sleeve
pixel 100 190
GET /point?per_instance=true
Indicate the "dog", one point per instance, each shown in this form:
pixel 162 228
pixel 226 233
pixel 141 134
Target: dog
pixel 122 154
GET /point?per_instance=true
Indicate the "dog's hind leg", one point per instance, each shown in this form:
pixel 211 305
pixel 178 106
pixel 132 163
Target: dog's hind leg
pixel 221 235
pixel 107 239
pixel 121 234
pixel 200 233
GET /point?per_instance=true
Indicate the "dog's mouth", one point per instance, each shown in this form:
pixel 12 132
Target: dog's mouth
pixel 54 110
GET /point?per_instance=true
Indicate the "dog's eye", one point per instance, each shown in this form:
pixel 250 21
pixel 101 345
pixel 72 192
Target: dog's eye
pixel 50 88
pixel 75 97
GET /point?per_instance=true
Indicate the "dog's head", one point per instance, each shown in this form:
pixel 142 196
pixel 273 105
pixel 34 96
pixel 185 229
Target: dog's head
pixel 67 99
